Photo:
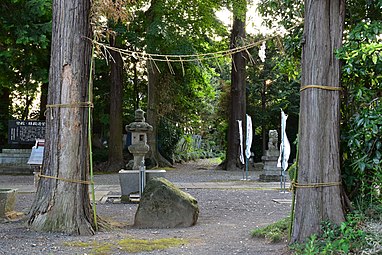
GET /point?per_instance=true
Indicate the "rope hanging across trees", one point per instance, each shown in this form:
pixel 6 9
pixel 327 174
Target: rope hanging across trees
pixel 152 57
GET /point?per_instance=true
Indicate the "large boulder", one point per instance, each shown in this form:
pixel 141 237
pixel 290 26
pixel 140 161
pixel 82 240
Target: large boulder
pixel 163 205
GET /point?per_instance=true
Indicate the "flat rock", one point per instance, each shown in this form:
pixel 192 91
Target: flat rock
pixel 163 205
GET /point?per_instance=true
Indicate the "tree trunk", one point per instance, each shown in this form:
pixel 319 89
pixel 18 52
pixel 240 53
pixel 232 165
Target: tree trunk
pixel 319 158
pixel 263 126
pixel 28 103
pixel 5 103
pixel 136 87
pixel 237 99
pixel 156 159
pixel 43 100
pixel 115 161
pixel 61 205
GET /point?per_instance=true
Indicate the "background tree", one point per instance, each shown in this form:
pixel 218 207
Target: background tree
pixel 60 205
pixel 238 87
pixel 319 159
pixel 115 145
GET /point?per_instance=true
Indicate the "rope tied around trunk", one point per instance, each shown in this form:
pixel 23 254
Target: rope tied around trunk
pixel 330 88
pixel 296 185
pixel 87 104
pixel 64 179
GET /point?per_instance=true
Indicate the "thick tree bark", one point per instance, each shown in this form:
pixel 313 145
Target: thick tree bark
pixel 237 99
pixel 319 157
pixel 60 205
pixel 115 160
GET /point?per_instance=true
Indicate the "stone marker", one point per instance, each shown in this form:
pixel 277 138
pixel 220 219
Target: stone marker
pixel 7 201
pixel 163 205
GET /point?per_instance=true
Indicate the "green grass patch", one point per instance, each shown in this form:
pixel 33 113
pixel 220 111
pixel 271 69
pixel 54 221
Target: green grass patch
pixel 80 244
pixel 139 245
pixel 275 232
pixel 215 161
pixel 129 245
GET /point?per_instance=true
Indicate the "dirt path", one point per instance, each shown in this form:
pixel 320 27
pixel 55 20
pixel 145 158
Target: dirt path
pixel 227 216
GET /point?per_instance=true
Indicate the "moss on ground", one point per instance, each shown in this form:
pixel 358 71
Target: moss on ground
pixel 129 245
pixel 275 232
pixel 139 245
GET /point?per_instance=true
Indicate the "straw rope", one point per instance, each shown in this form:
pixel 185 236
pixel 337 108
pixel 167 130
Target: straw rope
pixel 330 88
pixel 296 185
pixel 64 179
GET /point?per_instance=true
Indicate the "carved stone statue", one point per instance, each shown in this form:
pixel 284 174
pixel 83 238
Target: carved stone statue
pixel 273 139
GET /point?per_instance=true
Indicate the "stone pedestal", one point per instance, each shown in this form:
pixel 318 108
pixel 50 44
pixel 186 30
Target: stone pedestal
pixel 271 173
pixel 129 181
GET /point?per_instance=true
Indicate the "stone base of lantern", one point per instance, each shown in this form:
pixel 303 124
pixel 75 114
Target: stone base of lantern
pixel 129 181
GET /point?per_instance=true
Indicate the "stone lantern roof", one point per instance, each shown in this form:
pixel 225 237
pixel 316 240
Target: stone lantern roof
pixel 139 125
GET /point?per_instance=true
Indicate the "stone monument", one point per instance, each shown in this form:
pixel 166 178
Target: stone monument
pixel 270 171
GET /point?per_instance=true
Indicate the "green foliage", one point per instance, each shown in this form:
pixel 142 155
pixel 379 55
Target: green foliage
pixel 362 111
pixel 287 13
pixel 239 9
pixel 168 135
pixel 187 149
pixel 25 32
pixel 275 232
pixel 363 156
pixel 348 238
pixel 192 147
pixel 100 155
pixel 358 11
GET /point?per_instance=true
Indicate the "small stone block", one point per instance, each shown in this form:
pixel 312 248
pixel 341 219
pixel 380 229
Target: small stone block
pixel 7 201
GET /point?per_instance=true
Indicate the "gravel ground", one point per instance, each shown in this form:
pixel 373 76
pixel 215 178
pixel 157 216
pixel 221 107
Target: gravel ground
pixel 226 219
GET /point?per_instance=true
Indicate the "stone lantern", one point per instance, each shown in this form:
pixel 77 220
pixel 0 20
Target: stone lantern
pixel 134 180
pixel 139 129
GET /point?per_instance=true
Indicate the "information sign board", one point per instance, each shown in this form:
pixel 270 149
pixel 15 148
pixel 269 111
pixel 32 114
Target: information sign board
pixel 25 131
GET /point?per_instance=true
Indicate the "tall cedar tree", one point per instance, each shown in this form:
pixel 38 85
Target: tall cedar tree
pixel 319 152
pixel 62 206
pixel 115 160
pixel 237 99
